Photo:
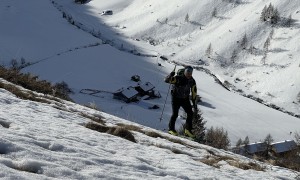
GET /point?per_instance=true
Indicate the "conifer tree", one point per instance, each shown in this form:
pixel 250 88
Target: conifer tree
pixel 263 15
pixel 187 18
pixel 233 56
pixel 198 126
pixel 208 51
pixel 271 34
pixel 270 11
pixel 289 21
pixel 214 13
pixel 267 44
pixel 264 58
pixel 269 140
pixel 244 41
pixel 270 14
pixel 275 18
pixel 252 49
pixel 239 143
pixel 246 141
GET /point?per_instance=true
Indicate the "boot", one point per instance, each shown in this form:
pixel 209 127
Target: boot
pixel 173 132
pixel 189 133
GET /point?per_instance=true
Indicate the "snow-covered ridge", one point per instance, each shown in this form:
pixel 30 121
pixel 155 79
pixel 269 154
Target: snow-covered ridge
pixel 49 140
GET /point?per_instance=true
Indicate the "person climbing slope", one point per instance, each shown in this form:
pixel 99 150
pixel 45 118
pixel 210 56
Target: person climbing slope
pixel 183 84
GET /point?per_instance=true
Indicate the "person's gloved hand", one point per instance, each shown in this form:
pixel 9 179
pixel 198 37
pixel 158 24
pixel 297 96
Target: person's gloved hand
pixel 172 73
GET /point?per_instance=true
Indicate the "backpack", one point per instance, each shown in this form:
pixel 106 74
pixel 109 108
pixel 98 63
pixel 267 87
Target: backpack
pixel 180 72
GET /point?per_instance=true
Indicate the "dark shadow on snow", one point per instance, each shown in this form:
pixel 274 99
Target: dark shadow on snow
pixel 277 50
pixel 206 104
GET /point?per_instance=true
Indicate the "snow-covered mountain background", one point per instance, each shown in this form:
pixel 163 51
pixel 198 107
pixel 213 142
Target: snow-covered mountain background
pixel 66 41
pixel 74 43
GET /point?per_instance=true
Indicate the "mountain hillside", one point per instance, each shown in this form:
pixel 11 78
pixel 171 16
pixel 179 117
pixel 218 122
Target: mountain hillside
pixel 53 139
pixel 182 31
pixel 65 41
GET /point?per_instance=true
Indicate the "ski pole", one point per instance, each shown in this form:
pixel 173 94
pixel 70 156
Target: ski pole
pixel 166 98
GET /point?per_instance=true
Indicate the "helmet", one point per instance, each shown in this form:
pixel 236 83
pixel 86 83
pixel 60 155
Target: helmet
pixel 188 69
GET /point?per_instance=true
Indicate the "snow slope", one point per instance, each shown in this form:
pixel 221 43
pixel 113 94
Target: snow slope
pixel 39 141
pixel 278 81
pixel 82 58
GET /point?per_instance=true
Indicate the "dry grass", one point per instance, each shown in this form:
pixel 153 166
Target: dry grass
pixel 116 131
pixel 30 82
pixel 98 119
pixel 97 127
pixel 211 162
pixel 4 124
pixel 214 162
pixel 122 132
pixel 153 134
pixel 29 169
pixel 290 160
pixel 130 127
pixel 247 166
pixel 21 94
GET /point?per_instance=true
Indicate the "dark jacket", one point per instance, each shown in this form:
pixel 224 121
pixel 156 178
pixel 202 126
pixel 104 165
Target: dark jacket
pixel 182 86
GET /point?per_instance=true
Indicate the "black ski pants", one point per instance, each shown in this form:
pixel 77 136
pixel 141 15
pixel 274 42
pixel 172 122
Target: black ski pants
pixel 186 105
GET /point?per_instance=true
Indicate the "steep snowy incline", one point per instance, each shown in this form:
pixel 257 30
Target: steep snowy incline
pixel 39 141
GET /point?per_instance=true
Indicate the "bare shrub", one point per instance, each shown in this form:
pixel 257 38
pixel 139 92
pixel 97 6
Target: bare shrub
pixel 14 64
pixel 290 160
pixel 63 90
pixel 218 138
pixel 30 82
